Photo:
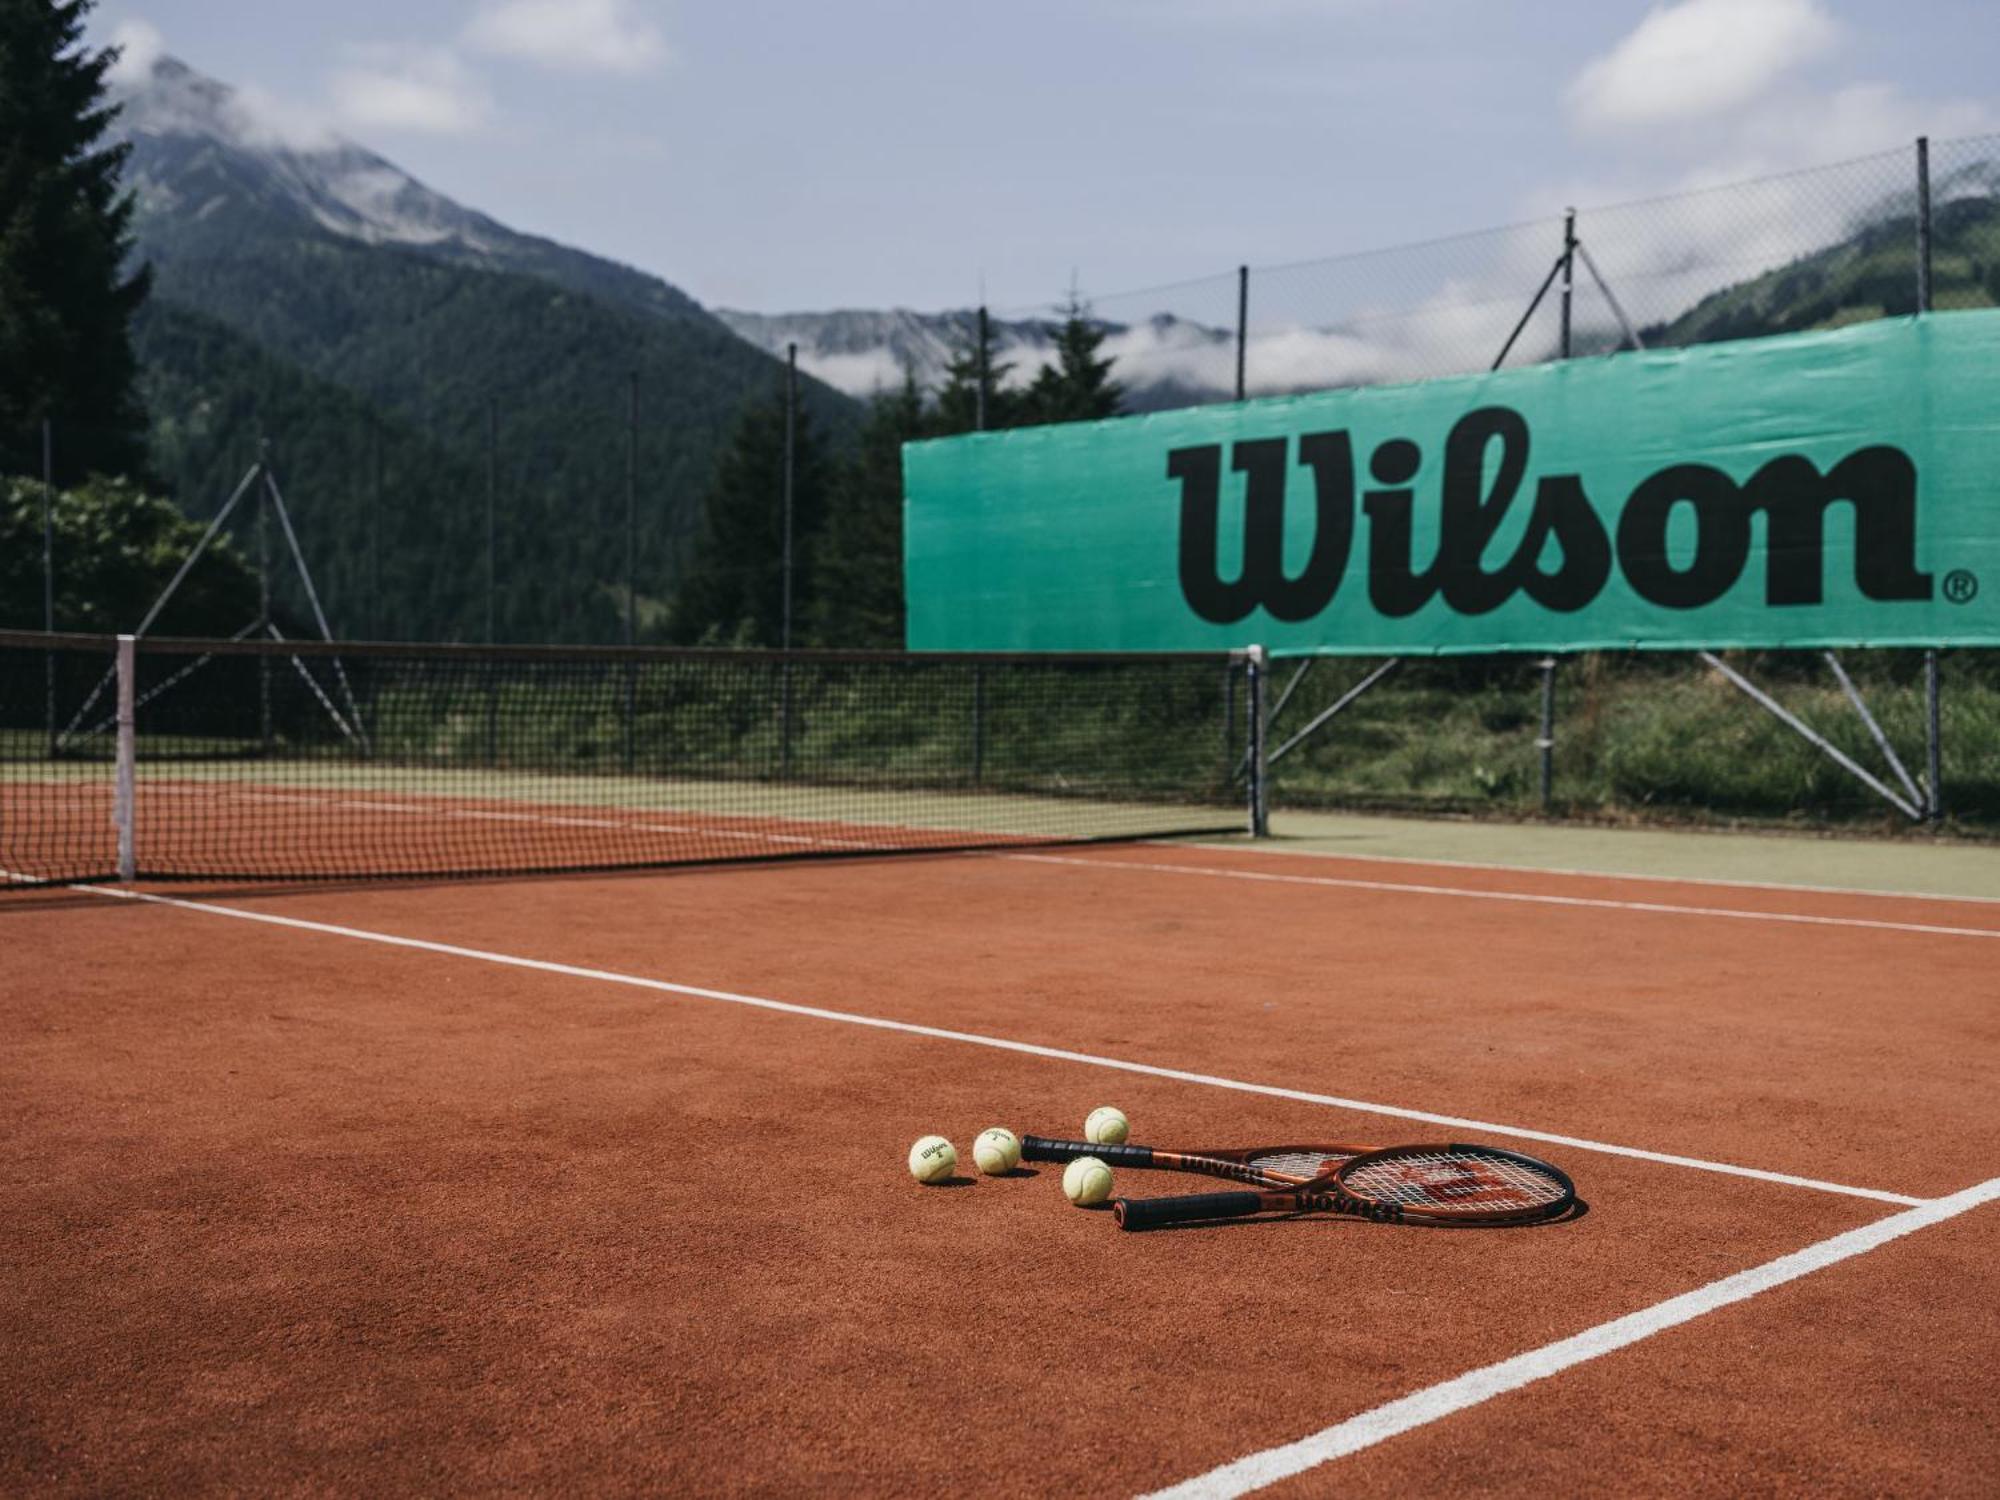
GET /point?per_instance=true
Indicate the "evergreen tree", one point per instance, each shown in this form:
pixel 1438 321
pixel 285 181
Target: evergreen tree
pixel 958 401
pixel 119 548
pixel 858 579
pixel 734 587
pixel 65 233
pixel 1078 387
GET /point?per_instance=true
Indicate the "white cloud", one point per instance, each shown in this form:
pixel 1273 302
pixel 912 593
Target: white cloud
pixel 139 45
pixel 424 89
pixel 1697 58
pixel 586 36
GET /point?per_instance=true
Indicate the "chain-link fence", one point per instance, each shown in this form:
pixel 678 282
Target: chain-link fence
pixel 1809 249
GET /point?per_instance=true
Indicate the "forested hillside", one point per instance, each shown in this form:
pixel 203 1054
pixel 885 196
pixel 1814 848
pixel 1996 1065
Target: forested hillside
pixel 321 300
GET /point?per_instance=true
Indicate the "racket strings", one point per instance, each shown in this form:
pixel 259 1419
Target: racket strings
pixel 1299 1163
pixel 1441 1181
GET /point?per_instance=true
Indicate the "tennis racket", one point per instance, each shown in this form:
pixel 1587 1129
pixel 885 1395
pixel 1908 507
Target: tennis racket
pixel 1439 1185
pixel 1454 1184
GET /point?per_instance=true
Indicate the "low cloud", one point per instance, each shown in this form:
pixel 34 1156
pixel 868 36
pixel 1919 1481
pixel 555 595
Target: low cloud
pixel 139 45
pixel 1697 58
pixel 421 89
pixel 583 36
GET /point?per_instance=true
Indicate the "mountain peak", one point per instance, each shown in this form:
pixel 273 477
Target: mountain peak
pixel 211 161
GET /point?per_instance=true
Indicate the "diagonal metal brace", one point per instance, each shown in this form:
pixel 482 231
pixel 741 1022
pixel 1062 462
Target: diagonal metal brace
pixel 1325 715
pixel 1805 731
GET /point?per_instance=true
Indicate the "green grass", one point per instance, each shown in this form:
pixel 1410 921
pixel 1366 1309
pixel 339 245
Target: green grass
pixel 1659 739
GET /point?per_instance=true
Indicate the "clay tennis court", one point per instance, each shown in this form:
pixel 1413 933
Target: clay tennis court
pixel 596 1184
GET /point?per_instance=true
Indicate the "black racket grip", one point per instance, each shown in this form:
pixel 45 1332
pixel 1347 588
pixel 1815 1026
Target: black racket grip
pixel 1145 1213
pixel 1041 1148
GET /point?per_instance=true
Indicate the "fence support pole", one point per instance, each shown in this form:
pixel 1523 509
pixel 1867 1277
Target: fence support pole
pixel 1260 805
pixel 1568 275
pixel 791 472
pixel 978 723
pixel 1923 223
pixel 1933 751
pixel 1242 330
pixel 1933 743
pixel 263 502
pixel 376 622
pixel 492 510
pixel 1547 743
pixel 49 573
pixel 631 568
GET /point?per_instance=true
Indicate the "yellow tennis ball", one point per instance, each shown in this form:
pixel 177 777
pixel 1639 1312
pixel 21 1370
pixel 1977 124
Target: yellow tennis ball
pixel 1086 1181
pixel 996 1151
pixel 1106 1126
pixel 932 1159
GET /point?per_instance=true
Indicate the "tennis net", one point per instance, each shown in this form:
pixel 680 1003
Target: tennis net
pixel 259 759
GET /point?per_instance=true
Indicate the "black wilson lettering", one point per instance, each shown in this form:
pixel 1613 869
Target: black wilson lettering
pixel 1485 471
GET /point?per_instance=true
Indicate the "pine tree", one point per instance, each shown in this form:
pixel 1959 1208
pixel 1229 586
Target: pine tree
pixel 958 401
pixel 858 580
pixel 65 233
pixel 1078 387
pixel 733 590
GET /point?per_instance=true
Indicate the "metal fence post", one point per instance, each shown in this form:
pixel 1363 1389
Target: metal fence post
pixel 492 510
pixel 1242 329
pixel 978 723
pixel 1923 223
pixel 263 502
pixel 49 572
pixel 1254 725
pixel 1569 275
pixel 375 613
pixel 631 568
pixel 1547 743
pixel 1933 749
pixel 1933 737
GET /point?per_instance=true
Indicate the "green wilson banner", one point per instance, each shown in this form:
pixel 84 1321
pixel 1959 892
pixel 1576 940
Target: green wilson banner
pixel 1824 489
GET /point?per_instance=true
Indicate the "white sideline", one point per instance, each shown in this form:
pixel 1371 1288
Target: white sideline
pixel 1530 898
pixel 1785 887
pixel 1002 1044
pixel 1436 1402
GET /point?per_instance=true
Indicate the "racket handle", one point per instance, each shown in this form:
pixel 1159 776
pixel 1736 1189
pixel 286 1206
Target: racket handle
pixel 1041 1148
pixel 1145 1213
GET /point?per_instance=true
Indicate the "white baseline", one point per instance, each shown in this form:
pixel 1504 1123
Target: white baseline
pixel 1528 898
pixel 1001 1044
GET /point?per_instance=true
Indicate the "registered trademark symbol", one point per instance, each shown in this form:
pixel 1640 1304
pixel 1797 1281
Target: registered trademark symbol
pixel 1961 587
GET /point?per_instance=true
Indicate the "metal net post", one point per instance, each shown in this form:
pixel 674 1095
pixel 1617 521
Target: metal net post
pixel 124 810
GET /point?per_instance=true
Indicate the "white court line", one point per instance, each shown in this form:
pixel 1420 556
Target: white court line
pixel 1433 1403
pixel 1001 1044
pixel 1530 898
pixel 1786 887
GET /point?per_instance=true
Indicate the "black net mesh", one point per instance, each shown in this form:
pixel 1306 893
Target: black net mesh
pixel 281 760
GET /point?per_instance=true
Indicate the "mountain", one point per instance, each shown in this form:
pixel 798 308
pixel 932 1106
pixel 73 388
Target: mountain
pixel 311 293
pixel 206 166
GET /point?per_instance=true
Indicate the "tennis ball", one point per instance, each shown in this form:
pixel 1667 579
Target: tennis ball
pixel 1086 1181
pixel 1106 1126
pixel 996 1151
pixel 932 1159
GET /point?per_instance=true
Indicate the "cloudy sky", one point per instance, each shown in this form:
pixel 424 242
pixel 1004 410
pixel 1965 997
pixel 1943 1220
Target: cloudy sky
pixel 806 154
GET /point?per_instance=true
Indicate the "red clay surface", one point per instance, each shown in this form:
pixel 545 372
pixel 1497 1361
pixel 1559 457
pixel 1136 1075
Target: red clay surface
pixel 283 1209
